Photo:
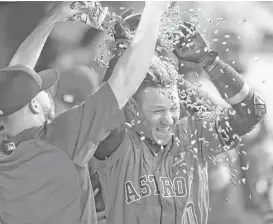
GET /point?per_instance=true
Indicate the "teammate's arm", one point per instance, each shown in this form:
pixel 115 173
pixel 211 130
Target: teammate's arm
pixel 246 110
pixel 30 50
pixel 81 129
pixel 122 40
pixel 220 127
pixel 132 66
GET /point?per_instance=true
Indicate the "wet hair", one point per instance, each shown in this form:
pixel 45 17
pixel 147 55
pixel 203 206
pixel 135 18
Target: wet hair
pixel 162 73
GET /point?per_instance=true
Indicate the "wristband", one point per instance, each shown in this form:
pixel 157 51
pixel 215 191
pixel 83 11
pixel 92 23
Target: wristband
pixel 209 61
pixel 239 97
pixel 213 65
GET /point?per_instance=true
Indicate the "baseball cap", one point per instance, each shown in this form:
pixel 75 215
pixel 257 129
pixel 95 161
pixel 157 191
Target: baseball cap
pixel 19 84
pixel 75 85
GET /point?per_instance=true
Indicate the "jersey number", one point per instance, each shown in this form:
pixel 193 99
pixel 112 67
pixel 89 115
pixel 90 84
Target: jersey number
pixel 189 216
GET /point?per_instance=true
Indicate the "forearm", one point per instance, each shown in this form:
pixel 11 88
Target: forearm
pixel 247 107
pixel 30 50
pixel 132 66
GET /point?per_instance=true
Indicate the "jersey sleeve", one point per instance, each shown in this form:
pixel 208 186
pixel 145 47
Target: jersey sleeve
pixel 208 135
pixel 110 144
pixel 79 131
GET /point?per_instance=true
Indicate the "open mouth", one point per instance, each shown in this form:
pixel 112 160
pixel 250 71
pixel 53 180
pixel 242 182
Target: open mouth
pixel 163 131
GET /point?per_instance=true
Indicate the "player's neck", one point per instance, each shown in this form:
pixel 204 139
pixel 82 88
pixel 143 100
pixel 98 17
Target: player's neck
pixel 154 147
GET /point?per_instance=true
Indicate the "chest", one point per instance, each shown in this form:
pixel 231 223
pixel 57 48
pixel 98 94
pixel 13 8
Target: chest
pixel 173 173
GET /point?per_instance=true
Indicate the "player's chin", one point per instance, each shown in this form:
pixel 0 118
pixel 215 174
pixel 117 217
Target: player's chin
pixel 162 139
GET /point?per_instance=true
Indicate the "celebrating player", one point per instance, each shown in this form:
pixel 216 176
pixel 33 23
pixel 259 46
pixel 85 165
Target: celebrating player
pixel 156 171
pixel 39 182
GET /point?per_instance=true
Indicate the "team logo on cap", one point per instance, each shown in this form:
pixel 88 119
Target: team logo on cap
pixel 68 98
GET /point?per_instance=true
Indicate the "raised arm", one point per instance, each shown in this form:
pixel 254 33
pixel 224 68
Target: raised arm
pixel 81 129
pixel 123 29
pixel 247 108
pixel 132 66
pixel 29 51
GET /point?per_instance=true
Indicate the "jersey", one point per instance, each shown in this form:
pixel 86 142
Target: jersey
pixel 45 178
pixel 168 187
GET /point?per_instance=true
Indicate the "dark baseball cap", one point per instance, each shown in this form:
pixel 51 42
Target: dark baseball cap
pixel 75 85
pixel 19 84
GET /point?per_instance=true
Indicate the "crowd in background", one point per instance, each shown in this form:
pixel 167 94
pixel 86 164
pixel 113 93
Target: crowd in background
pixel 238 181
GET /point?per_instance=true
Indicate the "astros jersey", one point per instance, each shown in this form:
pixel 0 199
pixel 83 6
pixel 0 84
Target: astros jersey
pixel 170 187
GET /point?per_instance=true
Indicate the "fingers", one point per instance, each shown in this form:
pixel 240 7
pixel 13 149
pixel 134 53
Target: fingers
pixel 132 21
pixel 186 31
pixel 190 25
pixel 79 5
pixel 103 15
pixel 127 13
pixel 96 191
pixel 81 17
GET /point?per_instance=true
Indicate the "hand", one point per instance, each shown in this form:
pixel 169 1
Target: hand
pixel 126 25
pixel 191 46
pixel 62 11
pixel 100 215
pixel 94 16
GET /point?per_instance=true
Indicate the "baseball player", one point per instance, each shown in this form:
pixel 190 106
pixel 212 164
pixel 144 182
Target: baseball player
pixel 156 167
pixel 38 178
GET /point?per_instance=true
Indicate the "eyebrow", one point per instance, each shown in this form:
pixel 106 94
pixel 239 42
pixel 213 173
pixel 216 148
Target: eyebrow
pixel 157 107
pixel 162 107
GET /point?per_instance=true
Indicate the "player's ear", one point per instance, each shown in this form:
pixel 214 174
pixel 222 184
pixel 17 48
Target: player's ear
pixel 34 107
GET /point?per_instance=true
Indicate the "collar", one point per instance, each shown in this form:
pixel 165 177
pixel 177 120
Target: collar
pixel 10 143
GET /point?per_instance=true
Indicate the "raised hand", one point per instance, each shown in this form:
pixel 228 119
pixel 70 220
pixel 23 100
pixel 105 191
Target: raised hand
pixel 126 24
pixel 191 47
pixel 95 13
pixel 62 11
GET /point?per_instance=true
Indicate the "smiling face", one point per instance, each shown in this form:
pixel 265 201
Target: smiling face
pixel 155 108
pixel 159 112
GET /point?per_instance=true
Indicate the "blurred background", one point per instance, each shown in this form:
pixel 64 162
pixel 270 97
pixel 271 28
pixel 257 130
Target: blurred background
pixel 241 32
